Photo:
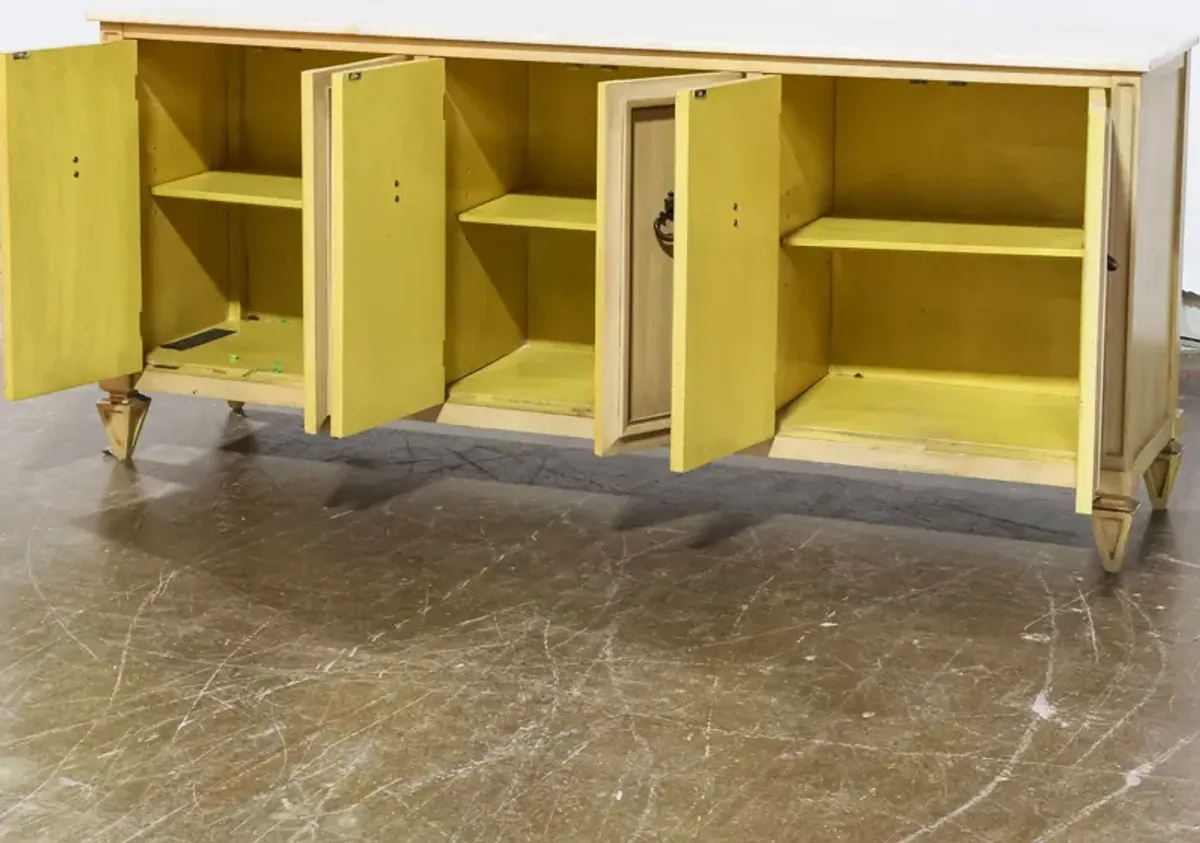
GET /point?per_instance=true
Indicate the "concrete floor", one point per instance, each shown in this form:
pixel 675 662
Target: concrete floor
pixel 258 636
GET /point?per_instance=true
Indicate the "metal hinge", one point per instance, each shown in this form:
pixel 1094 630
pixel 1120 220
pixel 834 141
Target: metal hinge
pixel 21 56
pixel 1113 264
pixel 355 75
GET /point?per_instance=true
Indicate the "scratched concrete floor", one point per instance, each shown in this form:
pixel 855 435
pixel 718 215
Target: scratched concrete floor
pixel 257 636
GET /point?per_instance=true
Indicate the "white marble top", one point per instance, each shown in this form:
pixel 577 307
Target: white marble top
pixel 785 28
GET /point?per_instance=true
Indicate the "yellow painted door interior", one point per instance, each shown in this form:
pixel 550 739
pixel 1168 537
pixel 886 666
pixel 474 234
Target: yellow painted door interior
pixel 69 207
pixel 1092 299
pixel 387 318
pixel 726 274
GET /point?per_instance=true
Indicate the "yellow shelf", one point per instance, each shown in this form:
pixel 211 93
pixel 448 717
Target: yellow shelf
pixel 535 210
pixel 961 238
pixel 267 350
pixel 236 189
pixel 540 376
pixel 1019 418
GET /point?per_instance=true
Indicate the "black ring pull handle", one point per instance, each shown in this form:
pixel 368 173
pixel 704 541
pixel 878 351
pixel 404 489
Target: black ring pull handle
pixel 666 217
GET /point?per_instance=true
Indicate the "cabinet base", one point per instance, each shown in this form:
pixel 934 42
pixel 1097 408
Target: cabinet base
pixel 1112 522
pixel 1160 476
pixel 123 415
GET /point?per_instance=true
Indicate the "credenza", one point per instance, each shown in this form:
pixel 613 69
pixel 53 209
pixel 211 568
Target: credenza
pixel 959 258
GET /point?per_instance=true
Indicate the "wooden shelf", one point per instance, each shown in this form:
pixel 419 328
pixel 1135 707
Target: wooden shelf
pixel 236 189
pixel 535 210
pixel 1032 419
pixel 961 238
pixel 269 350
pixel 540 376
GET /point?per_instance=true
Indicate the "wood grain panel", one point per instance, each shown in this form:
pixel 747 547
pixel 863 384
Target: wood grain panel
pixel 651 272
pixel 1154 286
pixel 1123 105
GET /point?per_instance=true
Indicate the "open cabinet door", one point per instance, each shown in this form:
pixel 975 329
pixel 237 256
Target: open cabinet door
pixel 1092 299
pixel 385 254
pixel 726 270
pixel 70 217
pixel 634 271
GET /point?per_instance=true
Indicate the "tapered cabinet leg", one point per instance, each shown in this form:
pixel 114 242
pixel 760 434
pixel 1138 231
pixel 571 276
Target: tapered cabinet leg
pixel 123 413
pixel 1160 476
pixel 1112 522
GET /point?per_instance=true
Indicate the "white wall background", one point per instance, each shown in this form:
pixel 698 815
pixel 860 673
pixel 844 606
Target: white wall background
pixel 43 23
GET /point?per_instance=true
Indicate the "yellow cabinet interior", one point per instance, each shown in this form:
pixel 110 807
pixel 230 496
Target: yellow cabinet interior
pixel 952 268
pixel 866 269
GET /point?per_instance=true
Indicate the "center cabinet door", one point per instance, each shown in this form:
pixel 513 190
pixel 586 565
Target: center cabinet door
pixel 686 315
pixel 1092 299
pixel 374 242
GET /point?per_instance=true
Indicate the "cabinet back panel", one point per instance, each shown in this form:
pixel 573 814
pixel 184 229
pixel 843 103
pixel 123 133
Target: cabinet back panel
pixel 806 193
pixel 563 122
pixel 999 315
pixel 977 153
pixel 487 117
pixel 561 303
pixel 265 101
pixel 561 156
pixel 274 256
pixel 270 91
pixel 184 131
pixel 651 270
